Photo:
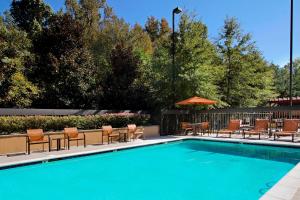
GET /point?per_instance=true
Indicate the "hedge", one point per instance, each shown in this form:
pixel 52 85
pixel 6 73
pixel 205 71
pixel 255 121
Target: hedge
pixel 19 124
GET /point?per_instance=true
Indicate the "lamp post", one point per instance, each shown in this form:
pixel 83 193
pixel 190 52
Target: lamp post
pixel 176 10
pixel 291 52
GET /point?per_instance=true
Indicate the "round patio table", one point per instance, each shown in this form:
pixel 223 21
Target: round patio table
pixel 195 127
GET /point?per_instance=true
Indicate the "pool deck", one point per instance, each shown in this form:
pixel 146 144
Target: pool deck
pixel 288 188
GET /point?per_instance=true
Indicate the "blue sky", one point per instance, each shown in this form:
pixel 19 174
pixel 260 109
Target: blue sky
pixel 266 20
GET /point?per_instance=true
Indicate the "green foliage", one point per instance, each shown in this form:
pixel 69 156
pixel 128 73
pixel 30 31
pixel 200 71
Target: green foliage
pixel 140 40
pixel 196 61
pixel 29 15
pixel 118 83
pixel 15 89
pixel 248 79
pixel 65 68
pixel 152 28
pixel 282 79
pixel 196 71
pixel 88 15
pixel 84 56
pixel 21 92
pixel 53 123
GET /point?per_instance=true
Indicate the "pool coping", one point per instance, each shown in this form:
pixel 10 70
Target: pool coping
pixel 287 188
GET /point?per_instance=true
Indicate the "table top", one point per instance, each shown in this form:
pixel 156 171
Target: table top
pixel 194 124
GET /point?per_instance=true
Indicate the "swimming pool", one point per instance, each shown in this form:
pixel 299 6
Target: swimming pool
pixel 185 170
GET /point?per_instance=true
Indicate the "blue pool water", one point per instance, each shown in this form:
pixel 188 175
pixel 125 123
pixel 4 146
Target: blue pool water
pixel 187 170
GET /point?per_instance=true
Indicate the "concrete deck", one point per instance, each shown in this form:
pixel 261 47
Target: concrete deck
pixel 288 188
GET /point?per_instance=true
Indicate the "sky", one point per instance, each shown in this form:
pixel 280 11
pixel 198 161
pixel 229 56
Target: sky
pixel 267 20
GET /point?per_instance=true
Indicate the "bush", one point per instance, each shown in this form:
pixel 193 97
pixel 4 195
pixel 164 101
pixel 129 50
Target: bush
pixel 19 124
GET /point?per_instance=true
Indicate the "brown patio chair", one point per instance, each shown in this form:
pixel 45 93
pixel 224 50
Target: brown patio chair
pixel 133 132
pixel 290 128
pixel 36 136
pixel 109 133
pixel 72 134
pixel 233 126
pixel 261 127
pixel 186 127
pixel 204 128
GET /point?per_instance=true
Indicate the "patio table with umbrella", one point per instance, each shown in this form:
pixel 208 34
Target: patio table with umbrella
pixel 195 101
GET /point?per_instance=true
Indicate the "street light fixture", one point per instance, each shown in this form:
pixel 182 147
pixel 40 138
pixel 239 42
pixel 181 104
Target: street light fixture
pixel 291 52
pixel 176 10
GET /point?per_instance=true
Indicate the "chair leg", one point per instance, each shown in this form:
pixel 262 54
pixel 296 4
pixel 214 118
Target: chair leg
pixel 292 137
pixel 84 141
pixel 68 143
pixel 274 136
pixel 229 135
pixel 217 134
pixel 28 148
pixel 259 136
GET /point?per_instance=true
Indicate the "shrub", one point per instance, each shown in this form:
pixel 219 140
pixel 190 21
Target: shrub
pixel 19 124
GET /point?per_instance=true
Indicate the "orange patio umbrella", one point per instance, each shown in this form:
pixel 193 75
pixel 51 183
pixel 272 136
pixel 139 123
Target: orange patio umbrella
pixel 194 101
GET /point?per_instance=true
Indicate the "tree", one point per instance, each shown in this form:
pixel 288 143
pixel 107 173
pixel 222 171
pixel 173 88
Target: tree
pixel 164 30
pixel 152 28
pixel 140 40
pixel 196 69
pixel 118 83
pixel 87 12
pixel 15 89
pixel 282 79
pixel 30 15
pixel 248 79
pixel 196 61
pixel 65 70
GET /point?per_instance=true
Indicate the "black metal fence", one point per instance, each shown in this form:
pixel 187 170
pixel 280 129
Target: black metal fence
pixel 219 118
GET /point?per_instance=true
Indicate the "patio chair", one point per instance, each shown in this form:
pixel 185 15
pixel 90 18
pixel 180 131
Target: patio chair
pixel 261 127
pixel 290 128
pixel 186 127
pixel 36 136
pixel 72 134
pixel 233 126
pixel 132 131
pixel 204 128
pixel 109 133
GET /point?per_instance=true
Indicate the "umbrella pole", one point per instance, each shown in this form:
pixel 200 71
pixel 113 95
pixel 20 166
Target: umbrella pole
pixel 194 109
